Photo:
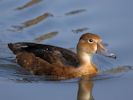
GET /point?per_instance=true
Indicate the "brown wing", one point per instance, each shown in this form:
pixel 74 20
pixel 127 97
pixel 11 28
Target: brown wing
pixel 49 53
pixel 38 66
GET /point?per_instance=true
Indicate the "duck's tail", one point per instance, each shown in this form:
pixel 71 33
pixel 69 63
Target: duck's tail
pixel 17 47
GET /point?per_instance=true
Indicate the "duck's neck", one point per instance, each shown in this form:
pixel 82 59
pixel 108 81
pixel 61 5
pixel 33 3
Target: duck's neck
pixel 85 59
pixel 86 65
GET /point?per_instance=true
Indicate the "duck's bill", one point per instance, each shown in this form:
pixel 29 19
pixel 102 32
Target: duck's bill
pixel 101 50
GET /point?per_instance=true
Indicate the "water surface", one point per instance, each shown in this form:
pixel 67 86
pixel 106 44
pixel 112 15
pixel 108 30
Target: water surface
pixel 61 23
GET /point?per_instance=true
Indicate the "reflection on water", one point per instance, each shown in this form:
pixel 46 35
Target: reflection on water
pixel 85 88
pixel 31 22
pixel 118 70
pixel 75 12
pixel 45 36
pixel 80 30
pixel 29 4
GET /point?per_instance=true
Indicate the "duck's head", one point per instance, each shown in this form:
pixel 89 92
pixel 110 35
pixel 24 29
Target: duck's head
pixel 90 44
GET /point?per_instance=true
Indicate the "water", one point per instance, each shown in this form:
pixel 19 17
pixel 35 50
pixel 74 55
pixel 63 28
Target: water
pixel 61 23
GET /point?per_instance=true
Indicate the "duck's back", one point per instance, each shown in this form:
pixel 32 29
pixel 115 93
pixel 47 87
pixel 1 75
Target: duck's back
pixel 51 54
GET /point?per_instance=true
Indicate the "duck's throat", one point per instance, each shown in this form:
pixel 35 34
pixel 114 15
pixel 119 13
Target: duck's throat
pixel 85 58
pixel 86 66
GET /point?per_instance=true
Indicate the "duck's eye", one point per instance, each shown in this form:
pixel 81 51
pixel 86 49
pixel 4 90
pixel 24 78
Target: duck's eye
pixel 90 41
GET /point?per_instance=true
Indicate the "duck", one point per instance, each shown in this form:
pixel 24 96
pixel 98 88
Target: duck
pixel 49 60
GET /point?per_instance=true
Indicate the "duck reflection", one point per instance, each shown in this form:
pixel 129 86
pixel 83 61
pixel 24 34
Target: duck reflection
pixel 85 89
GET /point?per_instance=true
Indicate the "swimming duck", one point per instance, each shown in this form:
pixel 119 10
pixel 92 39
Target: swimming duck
pixel 41 59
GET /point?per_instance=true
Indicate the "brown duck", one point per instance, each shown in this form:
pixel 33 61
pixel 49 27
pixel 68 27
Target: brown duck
pixel 41 59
